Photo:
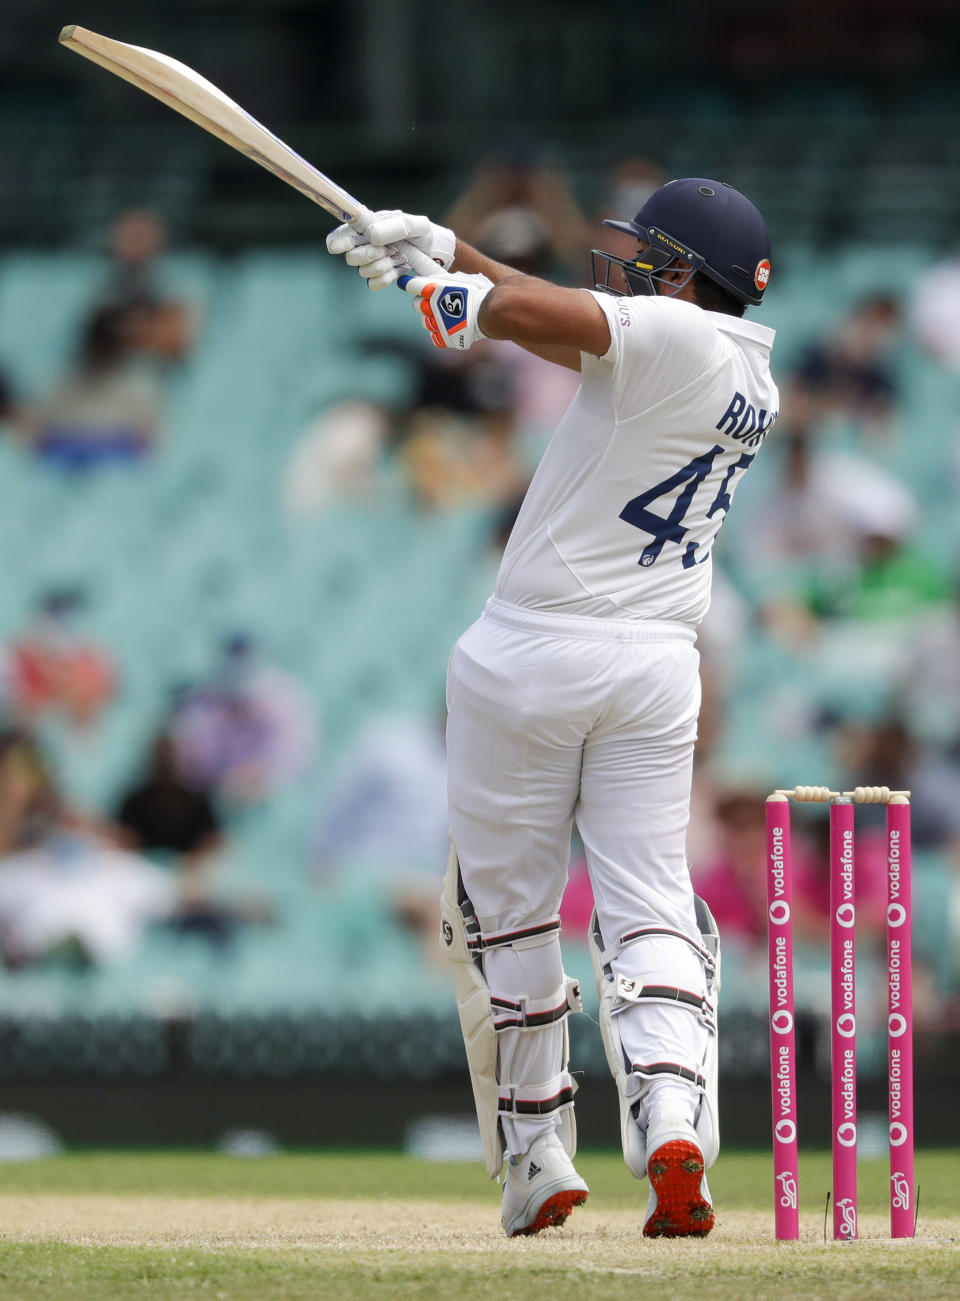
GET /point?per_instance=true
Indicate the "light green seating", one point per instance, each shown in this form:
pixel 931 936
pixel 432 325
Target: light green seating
pixel 362 603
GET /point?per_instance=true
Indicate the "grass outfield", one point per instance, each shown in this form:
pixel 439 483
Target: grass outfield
pixel 171 1225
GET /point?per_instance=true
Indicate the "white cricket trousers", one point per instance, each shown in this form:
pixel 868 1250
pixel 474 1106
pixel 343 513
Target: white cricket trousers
pixel 555 719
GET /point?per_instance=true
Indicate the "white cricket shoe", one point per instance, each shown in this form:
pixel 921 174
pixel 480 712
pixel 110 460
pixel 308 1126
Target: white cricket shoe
pixel 679 1205
pixel 541 1188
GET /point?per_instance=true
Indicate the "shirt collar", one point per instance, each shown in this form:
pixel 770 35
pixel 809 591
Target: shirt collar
pixel 741 329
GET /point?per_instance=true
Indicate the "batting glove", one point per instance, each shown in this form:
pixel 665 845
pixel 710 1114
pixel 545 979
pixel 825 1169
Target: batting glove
pixel 369 244
pixel 449 306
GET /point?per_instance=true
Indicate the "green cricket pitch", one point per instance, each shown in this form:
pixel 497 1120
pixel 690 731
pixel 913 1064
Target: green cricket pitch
pixel 108 1225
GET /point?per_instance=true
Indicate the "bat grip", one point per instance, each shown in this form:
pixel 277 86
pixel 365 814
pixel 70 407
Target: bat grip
pixel 420 263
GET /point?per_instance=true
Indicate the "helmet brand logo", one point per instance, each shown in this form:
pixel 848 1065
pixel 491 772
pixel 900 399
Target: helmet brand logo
pixel 762 275
pixel 670 243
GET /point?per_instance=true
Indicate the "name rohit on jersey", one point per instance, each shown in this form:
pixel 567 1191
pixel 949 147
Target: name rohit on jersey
pixel 746 424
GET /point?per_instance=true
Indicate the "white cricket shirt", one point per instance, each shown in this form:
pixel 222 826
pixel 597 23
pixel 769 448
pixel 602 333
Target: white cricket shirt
pixel 623 511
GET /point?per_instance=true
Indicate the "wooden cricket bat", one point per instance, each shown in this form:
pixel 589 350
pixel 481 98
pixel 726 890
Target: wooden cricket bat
pixel 185 91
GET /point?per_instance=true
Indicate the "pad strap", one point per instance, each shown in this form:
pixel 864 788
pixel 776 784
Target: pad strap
pixel 529 937
pixel 652 932
pixel 534 1013
pixel 537 1099
pixel 628 991
pixel 669 1068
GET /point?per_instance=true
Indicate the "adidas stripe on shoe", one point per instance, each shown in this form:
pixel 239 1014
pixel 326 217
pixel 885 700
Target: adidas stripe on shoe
pixel 541 1188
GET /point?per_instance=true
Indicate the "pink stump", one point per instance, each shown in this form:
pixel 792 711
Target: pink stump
pixel 843 1040
pixel 900 1019
pixel 783 1057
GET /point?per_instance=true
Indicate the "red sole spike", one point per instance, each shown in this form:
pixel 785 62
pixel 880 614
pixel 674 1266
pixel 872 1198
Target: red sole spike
pixel 675 1171
pixel 554 1211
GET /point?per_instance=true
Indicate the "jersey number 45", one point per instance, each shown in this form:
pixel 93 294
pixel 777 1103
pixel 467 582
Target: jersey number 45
pixel 670 528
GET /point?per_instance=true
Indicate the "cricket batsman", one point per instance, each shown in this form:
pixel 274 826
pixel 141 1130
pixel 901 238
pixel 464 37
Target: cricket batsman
pixel 574 697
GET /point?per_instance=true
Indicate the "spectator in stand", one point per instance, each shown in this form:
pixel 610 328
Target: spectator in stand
pixel 159 326
pixel 893 581
pixel 109 409
pixel 851 371
pixel 832 538
pixel 887 748
pixel 801 519
pixel 168 820
pixel 732 879
pixel 338 457
pixel 526 210
pixel 64 893
pixel 454 440
pixel 75 898
pixel 457 444
pixel 163 814
pixel 246 733
pixel 52 669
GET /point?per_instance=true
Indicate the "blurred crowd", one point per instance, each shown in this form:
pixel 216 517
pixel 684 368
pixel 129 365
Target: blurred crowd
pixel 108 407
pixel 831 654
pixel 80 886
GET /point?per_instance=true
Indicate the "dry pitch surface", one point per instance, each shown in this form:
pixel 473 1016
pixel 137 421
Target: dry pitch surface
pixel 184 1225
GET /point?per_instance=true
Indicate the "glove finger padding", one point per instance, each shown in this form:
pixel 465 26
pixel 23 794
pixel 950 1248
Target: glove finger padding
pixel 343 238
pixel 361 255
pixel 383 274
pixel 438 242
pixel 380 267
pixel 389 227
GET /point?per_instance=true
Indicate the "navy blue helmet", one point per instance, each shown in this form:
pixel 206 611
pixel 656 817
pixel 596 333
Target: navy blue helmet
pixel 708 224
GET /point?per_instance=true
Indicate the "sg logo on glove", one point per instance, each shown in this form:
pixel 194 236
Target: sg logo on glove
pixel 449 306
pixel 453 309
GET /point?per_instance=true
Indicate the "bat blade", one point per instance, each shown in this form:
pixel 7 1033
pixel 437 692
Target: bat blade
pixel 191 95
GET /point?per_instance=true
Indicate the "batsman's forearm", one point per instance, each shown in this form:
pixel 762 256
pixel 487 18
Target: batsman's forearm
pixel 553 323
pixel 538 314
pixel 524 312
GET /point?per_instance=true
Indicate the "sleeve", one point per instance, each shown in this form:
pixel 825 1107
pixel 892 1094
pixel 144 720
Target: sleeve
pixel 657 347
